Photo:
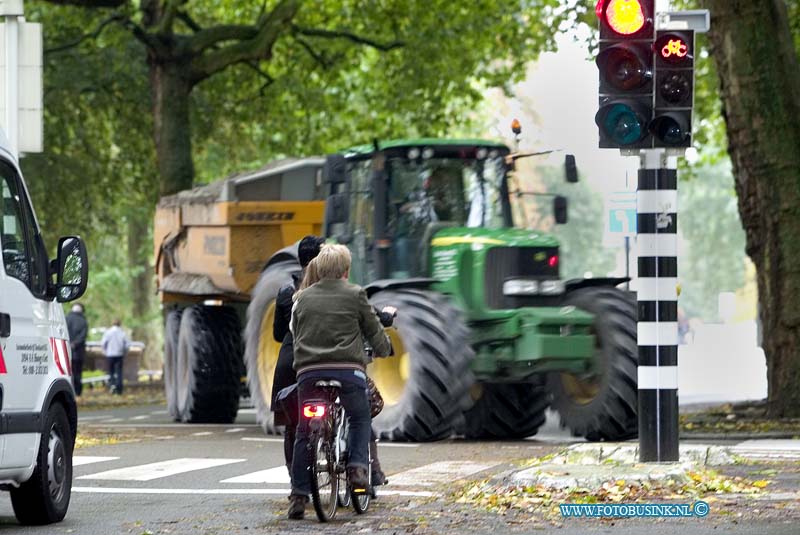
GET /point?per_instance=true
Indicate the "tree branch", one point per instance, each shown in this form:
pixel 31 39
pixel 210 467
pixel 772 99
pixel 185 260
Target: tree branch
pixel 255 48
pixel 263 74
pixel 207 38
pixel 189 21
pixel 168 15
pixel 89 3
pixel 116 17
pixel 318 57
pixel 342 34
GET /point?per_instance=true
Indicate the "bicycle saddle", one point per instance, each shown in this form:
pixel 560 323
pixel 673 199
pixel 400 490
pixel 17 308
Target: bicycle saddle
pixel 328 384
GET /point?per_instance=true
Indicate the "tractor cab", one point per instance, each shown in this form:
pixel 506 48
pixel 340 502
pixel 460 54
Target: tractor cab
pixel 389 201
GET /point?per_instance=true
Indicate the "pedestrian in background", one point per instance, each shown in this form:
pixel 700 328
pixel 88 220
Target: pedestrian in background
pixel 78 327
pixel 115 347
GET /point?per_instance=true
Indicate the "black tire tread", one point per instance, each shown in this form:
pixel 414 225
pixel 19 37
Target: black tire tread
pixel 612 415
pixel 507 411
pixel 215 336
pixel 31 501
pixel 264 293
pixel 172 325
pixel 437 390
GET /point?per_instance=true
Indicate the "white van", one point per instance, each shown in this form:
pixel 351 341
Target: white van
pixel 38 416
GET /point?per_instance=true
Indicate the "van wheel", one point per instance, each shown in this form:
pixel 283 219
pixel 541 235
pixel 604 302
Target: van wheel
pixel 44 498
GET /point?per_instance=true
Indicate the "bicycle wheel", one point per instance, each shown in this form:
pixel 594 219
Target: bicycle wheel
pixel 324 480
pixel 344 491
pixel 361 499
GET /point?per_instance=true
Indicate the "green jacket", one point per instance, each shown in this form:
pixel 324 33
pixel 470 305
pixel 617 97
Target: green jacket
pixel 330 321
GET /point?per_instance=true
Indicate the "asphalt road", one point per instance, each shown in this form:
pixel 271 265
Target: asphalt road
pixel 207 479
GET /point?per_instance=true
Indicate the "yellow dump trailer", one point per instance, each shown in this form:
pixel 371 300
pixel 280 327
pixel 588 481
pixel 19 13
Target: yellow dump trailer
pixel 212 245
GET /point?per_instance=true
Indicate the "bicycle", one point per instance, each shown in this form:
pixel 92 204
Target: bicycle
pixel 327 446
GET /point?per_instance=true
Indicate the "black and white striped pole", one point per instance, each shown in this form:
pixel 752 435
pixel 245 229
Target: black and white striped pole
pixel 657 220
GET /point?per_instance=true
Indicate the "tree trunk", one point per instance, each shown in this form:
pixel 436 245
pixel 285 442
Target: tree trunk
pixel 139 248
pixel 171 89
pixel 760 88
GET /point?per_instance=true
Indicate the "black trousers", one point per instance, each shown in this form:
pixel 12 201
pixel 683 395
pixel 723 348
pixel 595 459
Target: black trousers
pixel 78 354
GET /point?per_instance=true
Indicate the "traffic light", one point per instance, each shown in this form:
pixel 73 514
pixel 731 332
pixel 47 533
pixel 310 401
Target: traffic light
pixel 674 89
pixel 625 63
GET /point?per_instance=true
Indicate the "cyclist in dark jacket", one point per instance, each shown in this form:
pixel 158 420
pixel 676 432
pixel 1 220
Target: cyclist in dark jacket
pixel 284 373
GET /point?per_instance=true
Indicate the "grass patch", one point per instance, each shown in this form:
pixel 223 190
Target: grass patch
pixel 143 394
pixel 750 418
pixel 541 500
pixel 102 438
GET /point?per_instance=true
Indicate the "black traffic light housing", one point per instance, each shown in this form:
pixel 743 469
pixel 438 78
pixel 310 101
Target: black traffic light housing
pixel 626 69
pixel 674 89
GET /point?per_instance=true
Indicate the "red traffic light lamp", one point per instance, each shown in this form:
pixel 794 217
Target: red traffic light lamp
pixel 625 18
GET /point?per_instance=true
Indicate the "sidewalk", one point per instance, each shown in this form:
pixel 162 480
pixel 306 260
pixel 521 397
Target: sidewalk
pixel 753 478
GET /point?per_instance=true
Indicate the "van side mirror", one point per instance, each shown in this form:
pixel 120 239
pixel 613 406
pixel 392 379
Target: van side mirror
pixel 335 170
pixel 570 169
pixel 337 209
pixel 560 210
pixel 72 276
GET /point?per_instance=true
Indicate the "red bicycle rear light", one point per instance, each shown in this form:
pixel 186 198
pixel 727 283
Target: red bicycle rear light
pixel 552 261
pixel 313 411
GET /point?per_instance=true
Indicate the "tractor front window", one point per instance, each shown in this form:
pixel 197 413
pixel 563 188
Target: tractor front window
pixel 427 194
pixel 458 191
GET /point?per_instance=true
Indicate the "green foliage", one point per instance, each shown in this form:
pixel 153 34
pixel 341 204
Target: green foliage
pixel 709 221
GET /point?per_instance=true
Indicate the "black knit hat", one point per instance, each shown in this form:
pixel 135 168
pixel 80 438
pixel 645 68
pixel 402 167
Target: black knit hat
pixel 309 249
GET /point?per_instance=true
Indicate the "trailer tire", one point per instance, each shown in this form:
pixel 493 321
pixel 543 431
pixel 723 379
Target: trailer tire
pixel 603 407
pixel 506 410
pixel 172 326
pixel 425 385
pixel 261 350
pixel 209 363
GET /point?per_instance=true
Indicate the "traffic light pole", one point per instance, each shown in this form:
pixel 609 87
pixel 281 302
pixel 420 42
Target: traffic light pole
pixel 657 200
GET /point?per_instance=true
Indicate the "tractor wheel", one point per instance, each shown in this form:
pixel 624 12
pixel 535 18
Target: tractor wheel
pixel 602 405
pixel 425 385
pixel 261 349
pixel 506 411
pixel 208 370
pixel 172 325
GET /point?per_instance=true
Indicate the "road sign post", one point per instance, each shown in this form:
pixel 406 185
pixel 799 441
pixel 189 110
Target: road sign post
pixel 657 329
pixel 21 86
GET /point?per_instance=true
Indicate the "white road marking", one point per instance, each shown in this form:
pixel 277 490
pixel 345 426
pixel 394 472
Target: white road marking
pixel 167 426
pixel 141 417
pixel 147 472
pixel 236 430
pixel 202 434
pixel 437 473
pixel 119 490
pixel 275 475
pixel 82 418
pixel 165 437
pixel 80 460
pixel 112 420
pixel 247 411
pixel 397 445
pixel 768 449
pixel 262 439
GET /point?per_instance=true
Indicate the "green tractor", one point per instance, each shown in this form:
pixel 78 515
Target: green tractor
pixel 488 335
